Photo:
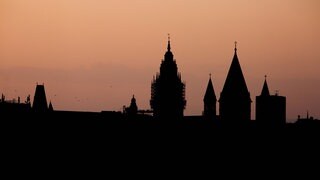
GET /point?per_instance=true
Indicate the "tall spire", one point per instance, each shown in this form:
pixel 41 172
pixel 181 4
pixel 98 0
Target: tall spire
pixel 209 102
pixel 167 90
pixel 235 81
pixel 133 100
pixel 235 101
pixel 169 47
pixel 168 55
pixel 265 89
pixel 210 95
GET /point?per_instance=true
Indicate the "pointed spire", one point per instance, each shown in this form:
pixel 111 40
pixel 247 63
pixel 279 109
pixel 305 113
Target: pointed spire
pixel 133 109
pixel 235 101
pixel 265 89
pixel 210 94
pixel 133 100
pixel 50 106
pixel 235 47
pixel 235 82
pixel 169 47
pixel 168 55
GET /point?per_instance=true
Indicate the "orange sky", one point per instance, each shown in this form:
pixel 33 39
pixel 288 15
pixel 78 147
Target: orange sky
pixel 94 54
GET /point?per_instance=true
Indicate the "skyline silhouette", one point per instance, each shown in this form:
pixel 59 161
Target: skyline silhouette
pixel 168 98
pixel 100 80
pixel 95 56
pixel 168 101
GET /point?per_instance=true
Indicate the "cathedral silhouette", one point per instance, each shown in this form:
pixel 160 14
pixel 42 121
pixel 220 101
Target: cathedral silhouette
pixel 168 103
pixel 167 90
pixel 168 97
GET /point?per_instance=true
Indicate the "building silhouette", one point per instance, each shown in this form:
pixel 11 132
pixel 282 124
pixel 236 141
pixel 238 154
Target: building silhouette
pixel 235 101
pixel 167 104
pixel 209 102
pixel 167 90
pixel 133 108
pixel 40 100
pixel 14 106
pixel 270 109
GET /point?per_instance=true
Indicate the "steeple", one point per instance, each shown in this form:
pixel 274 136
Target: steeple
pixel 265 89
pixel 235 82
pixel 209 102
pixel 235 101
pixel 270 109
pixel 210 95
pixel 168 56
pixel 133 108
pixel 169 47
pixel 133 101
pixel 167 90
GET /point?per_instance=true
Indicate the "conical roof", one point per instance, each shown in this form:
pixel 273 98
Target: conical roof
pixel 210 94
pixel 235 82
pixel 265 89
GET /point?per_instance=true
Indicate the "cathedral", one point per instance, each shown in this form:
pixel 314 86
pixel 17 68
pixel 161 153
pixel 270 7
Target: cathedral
pixel 168 97
pixel 167 90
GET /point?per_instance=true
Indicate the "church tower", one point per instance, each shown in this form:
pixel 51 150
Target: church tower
pixel 167 90
pixel 235 101
pixel 270 109
pixel 209 101
pixel 133 108
pixel 40 100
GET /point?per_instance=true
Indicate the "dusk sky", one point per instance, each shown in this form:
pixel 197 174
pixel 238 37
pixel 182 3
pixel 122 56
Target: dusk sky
pixel 93 55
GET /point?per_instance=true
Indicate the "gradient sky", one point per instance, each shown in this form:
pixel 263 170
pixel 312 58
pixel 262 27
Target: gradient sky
pixel 93 55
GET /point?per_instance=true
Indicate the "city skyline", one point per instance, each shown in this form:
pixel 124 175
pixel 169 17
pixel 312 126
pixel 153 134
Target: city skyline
pixel 89 63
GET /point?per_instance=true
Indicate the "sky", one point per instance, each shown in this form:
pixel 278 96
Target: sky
pixel 93 55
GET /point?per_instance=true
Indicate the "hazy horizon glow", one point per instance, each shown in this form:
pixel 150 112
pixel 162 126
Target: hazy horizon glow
pixel 93 55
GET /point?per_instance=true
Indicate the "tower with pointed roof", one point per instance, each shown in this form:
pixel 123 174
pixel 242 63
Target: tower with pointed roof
pixel 265 88
pixel 209 102
pixel 167 90
pixel 270 109
pixel 235 101
pixel 40 100
pixel 133 108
